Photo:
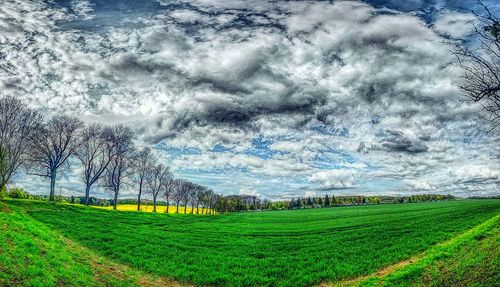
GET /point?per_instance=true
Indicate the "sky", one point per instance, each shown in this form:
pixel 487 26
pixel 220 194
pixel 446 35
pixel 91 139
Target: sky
pixel 272 98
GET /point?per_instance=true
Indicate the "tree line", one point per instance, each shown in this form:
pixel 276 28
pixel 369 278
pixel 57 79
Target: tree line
pixel 332 200
pixel 107 156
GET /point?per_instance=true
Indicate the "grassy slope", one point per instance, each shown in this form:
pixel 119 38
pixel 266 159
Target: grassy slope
pixel 471 259
pixel 291 248
pixel 33 255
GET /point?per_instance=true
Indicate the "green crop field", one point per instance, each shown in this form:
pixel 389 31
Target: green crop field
pixel 65 245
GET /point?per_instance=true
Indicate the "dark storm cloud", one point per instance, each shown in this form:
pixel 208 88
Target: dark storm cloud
pixel 398 141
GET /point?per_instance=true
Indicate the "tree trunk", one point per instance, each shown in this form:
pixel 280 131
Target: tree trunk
pixel 139 197
pixel 185 207
pixel 115 201
pixel 52 184
pixel 197 211
pixel 168 204
pixel 139 201
pixel 154 203
pixel 87 194
pixel 4 182
pixel 177 209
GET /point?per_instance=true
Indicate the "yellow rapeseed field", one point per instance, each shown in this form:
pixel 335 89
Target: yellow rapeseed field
pixel 149 208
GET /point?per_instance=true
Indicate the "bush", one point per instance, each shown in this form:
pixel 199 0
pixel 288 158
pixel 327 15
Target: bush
pixel 3 193
pixel 17 192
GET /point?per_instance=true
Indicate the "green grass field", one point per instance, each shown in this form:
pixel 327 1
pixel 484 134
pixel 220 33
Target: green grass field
pixel 44 245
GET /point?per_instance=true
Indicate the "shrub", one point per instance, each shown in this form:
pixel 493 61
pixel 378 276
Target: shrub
pixel 3 193
pixel 17 192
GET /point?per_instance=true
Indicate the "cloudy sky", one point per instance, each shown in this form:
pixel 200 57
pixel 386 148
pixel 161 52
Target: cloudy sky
pixel 277 98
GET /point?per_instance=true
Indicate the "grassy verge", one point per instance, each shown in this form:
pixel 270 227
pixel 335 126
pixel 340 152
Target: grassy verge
pixel 471 259
pixel 31 254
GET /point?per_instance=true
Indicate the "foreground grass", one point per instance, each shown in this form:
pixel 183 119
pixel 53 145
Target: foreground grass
pixel 289 248
pixel 470 259
pixel 33 255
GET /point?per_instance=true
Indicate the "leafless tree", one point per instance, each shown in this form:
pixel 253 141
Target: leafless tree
pixel 17 125
pixel 181 193
pixel 196 194
pixel 481 63
pixel 168 191
pixel 142 165
pixel 188 187
pixel 156 177
pixel 95 153
pixel 177 193
pixel 210 199
pixel 51 145
pixel 193 196
pixel 119 168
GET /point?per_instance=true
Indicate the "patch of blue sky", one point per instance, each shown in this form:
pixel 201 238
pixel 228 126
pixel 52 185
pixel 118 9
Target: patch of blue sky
pixel 176 151
pixel 219 148
pixel 225 170
pixel 333 158
pixel 207 178
pixel 261 148
pixel 382 185
pixel 112 13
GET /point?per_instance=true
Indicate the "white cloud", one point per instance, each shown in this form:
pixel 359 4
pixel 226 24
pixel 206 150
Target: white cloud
pixel 334 179
pixel 456 25
pixel 188 16
pixel 318 78
pixel 420 185
pixel 472 173
pixel 245 191
pixel 83 9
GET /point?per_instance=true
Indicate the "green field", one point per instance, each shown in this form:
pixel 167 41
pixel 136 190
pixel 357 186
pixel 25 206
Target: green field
pixel 59 245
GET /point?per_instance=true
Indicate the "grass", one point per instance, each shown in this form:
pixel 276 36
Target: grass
pixel 31 254
pixel 288 248
pixel 471 259
pixel 149 208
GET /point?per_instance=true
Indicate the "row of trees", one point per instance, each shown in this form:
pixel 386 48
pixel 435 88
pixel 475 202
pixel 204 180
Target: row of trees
pixel 107 155
pixel 328 201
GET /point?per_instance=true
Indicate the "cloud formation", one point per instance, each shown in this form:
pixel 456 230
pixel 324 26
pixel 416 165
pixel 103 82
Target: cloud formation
pixel 275 97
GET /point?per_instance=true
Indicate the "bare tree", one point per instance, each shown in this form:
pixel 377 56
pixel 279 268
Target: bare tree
pixel 181 193
pixel 51 145
pixel 156 177
pixel 196 194
pixel 481 64
pixel 187 188
pixel 17 125
pixel 193 196
pixel 142 165
pixel 210 198
pixel 177 193
pixel 119 167
pixel 95 153
pixel 168 191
